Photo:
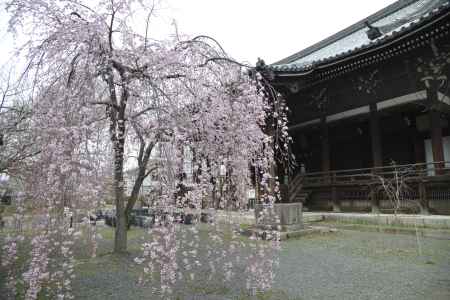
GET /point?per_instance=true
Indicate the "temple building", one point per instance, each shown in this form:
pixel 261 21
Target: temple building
pixel 370 111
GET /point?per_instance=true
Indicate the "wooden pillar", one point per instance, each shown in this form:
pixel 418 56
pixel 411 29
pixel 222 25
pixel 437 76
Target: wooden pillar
pixel 375 133
pixel 423 200
pixel 374 201
pixel 377 156
pixel 435 125
pixel 417 141
pixel 436 139
pixel 418 146
pixel 335 200
pixel 326 164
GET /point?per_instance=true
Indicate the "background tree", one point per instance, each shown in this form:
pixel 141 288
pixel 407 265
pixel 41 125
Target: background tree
pixel 16 143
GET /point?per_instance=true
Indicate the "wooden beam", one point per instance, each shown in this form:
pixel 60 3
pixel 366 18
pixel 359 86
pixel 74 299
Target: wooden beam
pixel 375 134
pixel 381 105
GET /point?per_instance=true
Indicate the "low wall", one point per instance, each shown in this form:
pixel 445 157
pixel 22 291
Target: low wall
pixel 438 207
pixel 432 221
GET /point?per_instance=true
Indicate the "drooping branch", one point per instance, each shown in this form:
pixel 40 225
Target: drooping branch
pixel 212 39
pixel 226 59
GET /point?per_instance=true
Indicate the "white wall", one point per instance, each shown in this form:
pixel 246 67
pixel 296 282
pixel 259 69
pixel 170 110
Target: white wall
pixel 429 153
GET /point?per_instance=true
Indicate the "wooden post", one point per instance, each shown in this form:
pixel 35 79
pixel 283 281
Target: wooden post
pixel 435 125
pixel 436 140
pixel 423 200
pixel 325 145
pixel 375 133
pixel 335 200
pixel 377 155
pixel 418 144
pixel 375 203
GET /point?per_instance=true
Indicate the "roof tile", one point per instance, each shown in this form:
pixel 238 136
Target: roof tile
pixel 393 25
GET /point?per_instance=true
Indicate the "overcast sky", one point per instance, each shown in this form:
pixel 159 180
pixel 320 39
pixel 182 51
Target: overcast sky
pixel 248 29
pixel 270 29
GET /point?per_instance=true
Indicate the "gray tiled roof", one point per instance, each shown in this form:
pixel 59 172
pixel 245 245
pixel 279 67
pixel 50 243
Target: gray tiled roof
pixel 395 19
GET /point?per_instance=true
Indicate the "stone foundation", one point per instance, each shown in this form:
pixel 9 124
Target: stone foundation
pixel 282 216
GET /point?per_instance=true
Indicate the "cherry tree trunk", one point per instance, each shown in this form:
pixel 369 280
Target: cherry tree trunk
pixel 120 238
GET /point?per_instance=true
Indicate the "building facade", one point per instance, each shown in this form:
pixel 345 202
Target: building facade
pixel 370 113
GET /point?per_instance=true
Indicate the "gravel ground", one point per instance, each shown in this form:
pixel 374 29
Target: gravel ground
pixel 365 265
pixel 342 265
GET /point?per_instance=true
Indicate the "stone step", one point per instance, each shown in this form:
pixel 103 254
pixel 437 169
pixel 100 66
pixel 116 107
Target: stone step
pixel 312 218
pixel 284 235
pixel 296 193
pixel 301 197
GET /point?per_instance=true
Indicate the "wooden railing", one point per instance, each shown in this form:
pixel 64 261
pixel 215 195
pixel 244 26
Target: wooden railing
pixel 365 176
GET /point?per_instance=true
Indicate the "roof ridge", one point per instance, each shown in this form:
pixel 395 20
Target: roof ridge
pixel 390 9
pixel 437 13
